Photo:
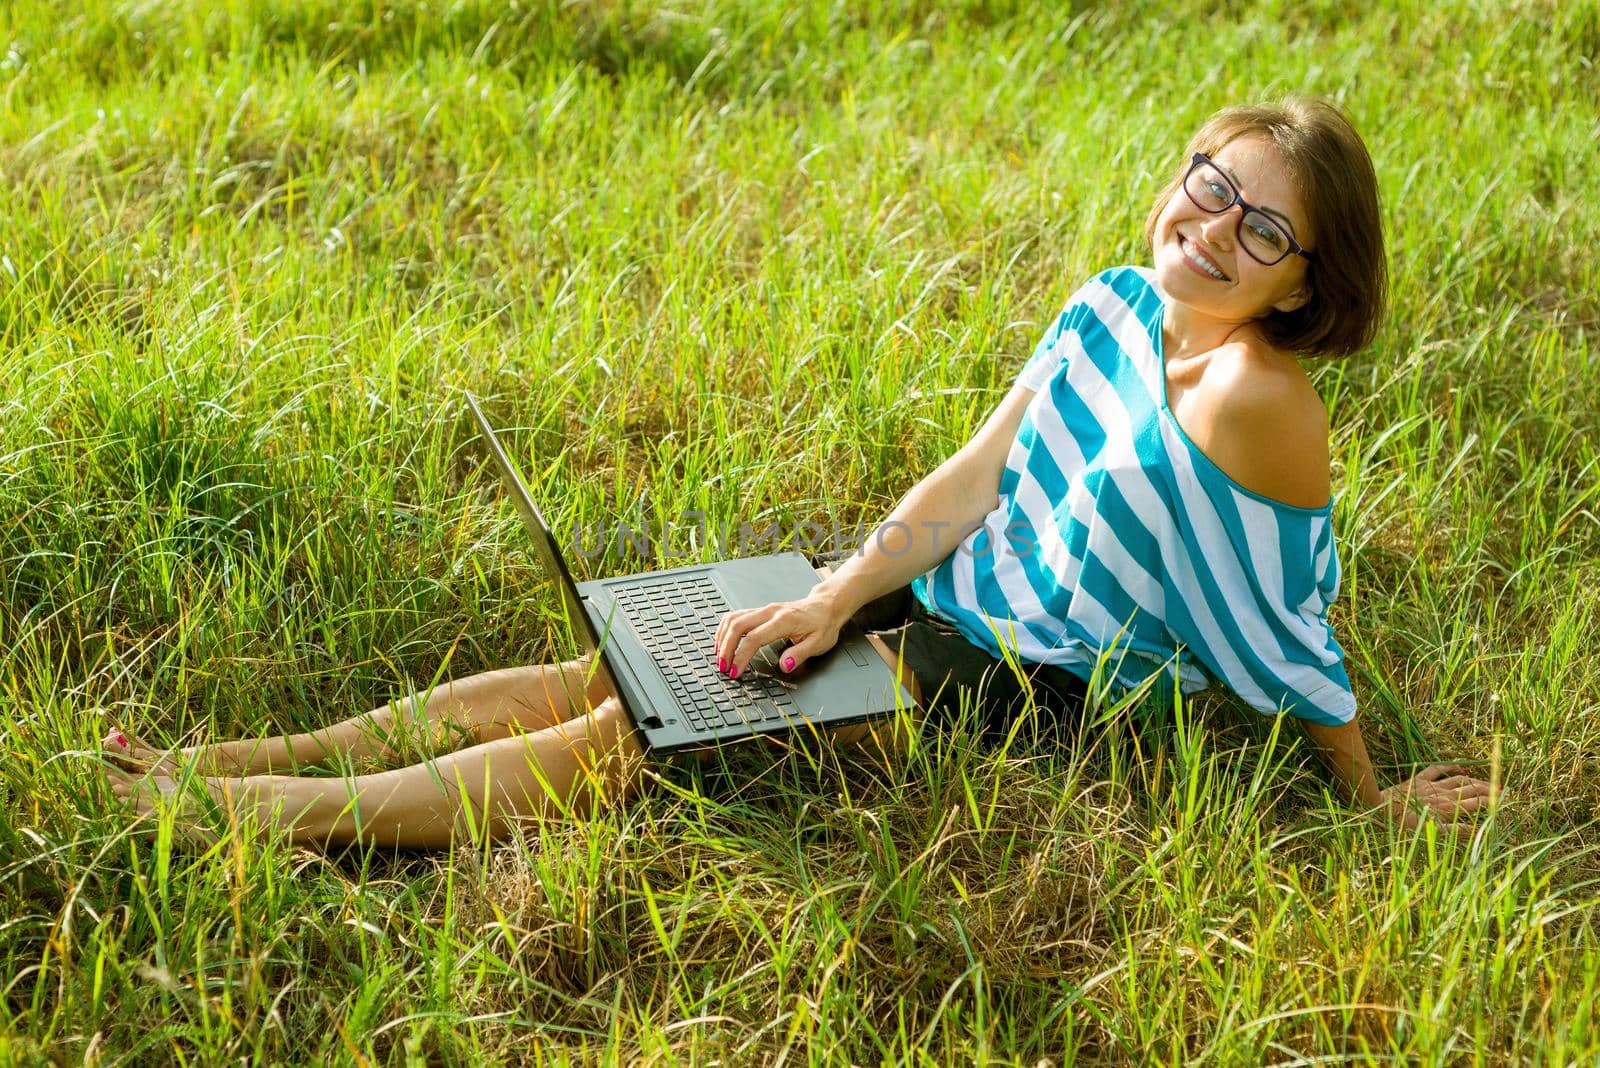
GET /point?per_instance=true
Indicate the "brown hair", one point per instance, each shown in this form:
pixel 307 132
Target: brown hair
pixel 1329 165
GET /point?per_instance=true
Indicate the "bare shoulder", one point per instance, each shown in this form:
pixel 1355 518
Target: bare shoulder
pixel 1264 424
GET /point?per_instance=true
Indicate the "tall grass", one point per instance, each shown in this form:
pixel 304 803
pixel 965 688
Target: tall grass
pixel 770 264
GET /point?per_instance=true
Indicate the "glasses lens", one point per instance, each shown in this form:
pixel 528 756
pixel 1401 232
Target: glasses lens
pixel 1263 238
pixel 1206 186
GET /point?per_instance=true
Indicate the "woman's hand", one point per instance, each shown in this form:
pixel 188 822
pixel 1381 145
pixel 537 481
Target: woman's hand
pixel 1444 791
pixel 811 625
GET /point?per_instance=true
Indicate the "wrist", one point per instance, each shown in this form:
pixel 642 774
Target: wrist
pixel 1357 782
pixel 1369 793
pixel 1345 753
pixel 835 599
pixel 1395 804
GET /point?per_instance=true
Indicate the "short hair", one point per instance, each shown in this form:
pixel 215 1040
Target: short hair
pixel 1330 167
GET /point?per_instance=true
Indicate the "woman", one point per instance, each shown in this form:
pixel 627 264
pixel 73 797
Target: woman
pixel 1150 500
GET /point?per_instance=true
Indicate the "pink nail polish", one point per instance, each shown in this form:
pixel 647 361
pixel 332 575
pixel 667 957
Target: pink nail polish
pixel 733 672
pixel 788 663
pixel 722 665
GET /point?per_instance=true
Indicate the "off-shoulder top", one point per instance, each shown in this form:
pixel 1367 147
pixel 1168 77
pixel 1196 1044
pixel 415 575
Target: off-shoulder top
pixel 1119 551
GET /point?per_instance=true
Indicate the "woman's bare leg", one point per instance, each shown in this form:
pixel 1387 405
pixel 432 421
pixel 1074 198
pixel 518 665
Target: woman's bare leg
pixel 480 708
pixel 570 768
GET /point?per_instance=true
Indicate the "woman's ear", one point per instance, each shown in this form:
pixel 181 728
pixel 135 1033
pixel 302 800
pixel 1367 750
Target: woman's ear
pixel 1296 299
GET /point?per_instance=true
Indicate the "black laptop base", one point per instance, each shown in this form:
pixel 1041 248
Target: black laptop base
pixel 657 633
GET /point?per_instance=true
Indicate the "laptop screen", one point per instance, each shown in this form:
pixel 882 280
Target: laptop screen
pixel 544 546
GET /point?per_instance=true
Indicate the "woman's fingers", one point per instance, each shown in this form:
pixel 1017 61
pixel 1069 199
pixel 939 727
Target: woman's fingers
pixel 743 630
pixel 720 638
pixel 1458 782
pixel 806 625
pixel 1434 772
pixel 725 627
pixel 1457 802
pixel 735 625
pixel 1457 786
pixel 1475 796
pixel 1449 794
pixel 724 634
pixel 778 626
pixel 803 650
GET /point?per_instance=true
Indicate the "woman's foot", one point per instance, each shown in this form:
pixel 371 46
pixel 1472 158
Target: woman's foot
pixel 127 750
pixel 130 752
pixel 149 792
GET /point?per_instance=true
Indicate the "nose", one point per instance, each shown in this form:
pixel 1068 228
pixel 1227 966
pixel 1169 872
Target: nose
pixel 1218 230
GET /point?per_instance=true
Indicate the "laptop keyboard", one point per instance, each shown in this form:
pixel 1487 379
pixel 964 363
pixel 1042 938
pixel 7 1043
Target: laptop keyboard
pixel 676 620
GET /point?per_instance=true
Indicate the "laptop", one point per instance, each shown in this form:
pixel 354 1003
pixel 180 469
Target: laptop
pixel 652 636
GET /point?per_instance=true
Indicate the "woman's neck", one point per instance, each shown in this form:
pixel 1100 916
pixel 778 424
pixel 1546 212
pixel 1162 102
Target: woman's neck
pixel 1186 332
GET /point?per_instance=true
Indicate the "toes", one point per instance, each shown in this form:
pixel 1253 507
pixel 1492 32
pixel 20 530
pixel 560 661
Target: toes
pixel 134 782
pixel 130 751
pixel 120 782
pixel 123 748
pixel 116 737
pixel 142 747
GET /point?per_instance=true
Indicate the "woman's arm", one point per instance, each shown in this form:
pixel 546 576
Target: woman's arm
pixel 1257 417
pixel 1345 752
pixel 933 517
pixel 922 530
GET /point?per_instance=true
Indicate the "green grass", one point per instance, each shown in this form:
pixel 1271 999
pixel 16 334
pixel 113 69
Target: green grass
pixel 772 265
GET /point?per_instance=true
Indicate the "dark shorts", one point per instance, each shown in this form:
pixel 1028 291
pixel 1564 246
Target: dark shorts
pixel 958 679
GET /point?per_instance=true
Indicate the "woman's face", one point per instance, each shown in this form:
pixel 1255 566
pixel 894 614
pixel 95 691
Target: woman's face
pixel 1187 241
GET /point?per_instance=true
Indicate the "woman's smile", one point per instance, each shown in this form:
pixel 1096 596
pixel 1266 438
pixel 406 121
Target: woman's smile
pixel 1199 261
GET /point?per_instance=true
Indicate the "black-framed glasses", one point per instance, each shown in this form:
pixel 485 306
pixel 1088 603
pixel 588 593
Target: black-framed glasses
pixel 1266 240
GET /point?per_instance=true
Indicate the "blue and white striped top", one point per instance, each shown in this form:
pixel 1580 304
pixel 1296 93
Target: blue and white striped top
pixel 1117 540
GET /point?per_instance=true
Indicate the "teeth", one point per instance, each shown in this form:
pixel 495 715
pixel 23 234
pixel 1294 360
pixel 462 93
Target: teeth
pixel 1199 257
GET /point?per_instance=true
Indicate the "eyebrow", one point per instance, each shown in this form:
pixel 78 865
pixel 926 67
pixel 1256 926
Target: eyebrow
pixel 1260 207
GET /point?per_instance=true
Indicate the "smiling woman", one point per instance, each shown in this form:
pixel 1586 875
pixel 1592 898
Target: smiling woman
pixel 1164 458
pixel 1159 472
pixel 773 260
pixel 1308 169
